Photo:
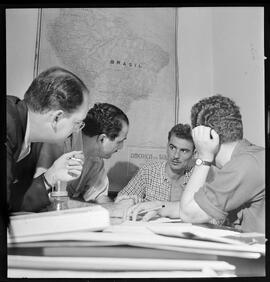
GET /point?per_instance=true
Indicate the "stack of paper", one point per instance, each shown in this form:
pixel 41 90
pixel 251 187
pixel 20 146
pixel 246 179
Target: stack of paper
pixel 32 266
pixel 124 235
pixel 140 248
pixel 91 218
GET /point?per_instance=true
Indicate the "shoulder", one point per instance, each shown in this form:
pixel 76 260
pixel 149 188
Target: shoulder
pixel 248 156
pixel 16 118
pixel 244 168
pixel 16 111
pixel 11 109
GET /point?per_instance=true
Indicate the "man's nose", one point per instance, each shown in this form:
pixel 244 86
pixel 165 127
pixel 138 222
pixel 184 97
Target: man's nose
pixel 177 154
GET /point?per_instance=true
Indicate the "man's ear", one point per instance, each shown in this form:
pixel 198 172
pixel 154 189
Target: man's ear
pixel 102 137
pixel 56 116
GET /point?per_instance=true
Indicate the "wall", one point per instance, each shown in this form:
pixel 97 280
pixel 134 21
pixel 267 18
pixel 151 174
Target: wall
pixel 21 25
pixel 220 51
pixel 195 58
pixel 238 40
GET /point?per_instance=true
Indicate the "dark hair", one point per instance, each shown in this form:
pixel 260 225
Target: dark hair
pixel 104 118
pixel 221 114
pixel 181 131
pixel 54 89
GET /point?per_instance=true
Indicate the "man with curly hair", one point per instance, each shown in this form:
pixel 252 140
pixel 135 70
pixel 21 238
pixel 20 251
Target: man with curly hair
pixel 236 196
pixel 106 128
pixel 164 180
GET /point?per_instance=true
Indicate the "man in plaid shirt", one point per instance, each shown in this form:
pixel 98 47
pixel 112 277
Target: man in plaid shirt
pixel 164 180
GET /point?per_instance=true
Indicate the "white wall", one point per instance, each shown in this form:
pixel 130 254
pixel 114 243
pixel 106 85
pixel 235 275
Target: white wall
pixel 238 40
pixel 195 58
pixel 220 51
pixel 21 27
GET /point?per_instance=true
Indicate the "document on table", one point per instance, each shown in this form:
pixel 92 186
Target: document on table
pixel 137 239
pixel 197 233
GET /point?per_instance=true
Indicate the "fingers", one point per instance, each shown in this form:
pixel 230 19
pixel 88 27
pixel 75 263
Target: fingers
pixel 133 211
pixel 149 215
pixel 73 154
pixel 74 173
pixel 206 141
pixel 120 198
pixel 75 162
pixel 204 133
pixel 78 156
pixel 201 132
pixel 125 214
pixel 214 135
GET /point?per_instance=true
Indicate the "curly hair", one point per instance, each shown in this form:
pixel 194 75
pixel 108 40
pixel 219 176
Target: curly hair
pixel 221 114
pixel 55 89
pixel 181 131
pixel 104 118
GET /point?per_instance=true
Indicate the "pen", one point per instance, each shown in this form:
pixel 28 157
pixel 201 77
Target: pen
pixel 153 209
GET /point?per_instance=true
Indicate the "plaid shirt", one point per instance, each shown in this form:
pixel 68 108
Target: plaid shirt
pixel 152 183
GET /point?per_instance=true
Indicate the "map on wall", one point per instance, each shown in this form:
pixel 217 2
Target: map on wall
pixel 126 57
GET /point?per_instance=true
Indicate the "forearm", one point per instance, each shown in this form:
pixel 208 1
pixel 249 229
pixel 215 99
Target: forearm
pixel 206 141
pixel 103 199
pixel 196 181
pixel 189 210
pixel 171 209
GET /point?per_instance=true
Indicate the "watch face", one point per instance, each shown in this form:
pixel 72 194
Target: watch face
pixel 198 162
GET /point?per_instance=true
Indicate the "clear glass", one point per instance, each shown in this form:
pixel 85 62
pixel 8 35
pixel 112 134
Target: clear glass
pixel 59 203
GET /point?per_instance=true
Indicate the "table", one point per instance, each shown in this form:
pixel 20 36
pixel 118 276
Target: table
pixel 110 256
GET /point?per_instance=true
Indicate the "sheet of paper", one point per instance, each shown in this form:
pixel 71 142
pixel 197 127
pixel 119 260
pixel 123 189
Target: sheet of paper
pixel 37 273
pixel 116 264
pixel 196 232
pixel 132 237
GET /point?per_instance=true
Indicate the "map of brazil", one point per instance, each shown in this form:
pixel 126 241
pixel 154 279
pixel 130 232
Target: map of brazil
pixel 125 57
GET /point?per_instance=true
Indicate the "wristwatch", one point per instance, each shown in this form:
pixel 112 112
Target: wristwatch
pixel 201 162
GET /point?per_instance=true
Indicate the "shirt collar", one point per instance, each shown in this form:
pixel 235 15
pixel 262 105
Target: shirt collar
pixel 26 146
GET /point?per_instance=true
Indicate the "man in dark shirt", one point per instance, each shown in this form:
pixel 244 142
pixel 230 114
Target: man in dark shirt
pixel 53 107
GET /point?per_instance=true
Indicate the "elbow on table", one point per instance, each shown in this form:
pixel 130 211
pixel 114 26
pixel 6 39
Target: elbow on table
pixel 189 214
pixel 187 217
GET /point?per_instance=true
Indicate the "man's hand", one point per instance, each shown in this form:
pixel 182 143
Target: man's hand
pixel 117 210
pixel 149 209
pixel 66 168
pixel 206 141
pixel 136 199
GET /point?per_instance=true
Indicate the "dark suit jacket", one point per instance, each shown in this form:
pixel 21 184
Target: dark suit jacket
pixel 23 192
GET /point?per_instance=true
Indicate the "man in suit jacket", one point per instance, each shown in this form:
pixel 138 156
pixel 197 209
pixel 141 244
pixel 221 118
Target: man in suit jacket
pixel 53 107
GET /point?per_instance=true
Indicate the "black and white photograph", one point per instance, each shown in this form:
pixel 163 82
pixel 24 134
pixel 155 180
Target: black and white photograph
pixel 135 142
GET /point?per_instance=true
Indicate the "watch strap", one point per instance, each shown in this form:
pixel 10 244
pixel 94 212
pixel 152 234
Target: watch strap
pixel 207 163
pixel 201 162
